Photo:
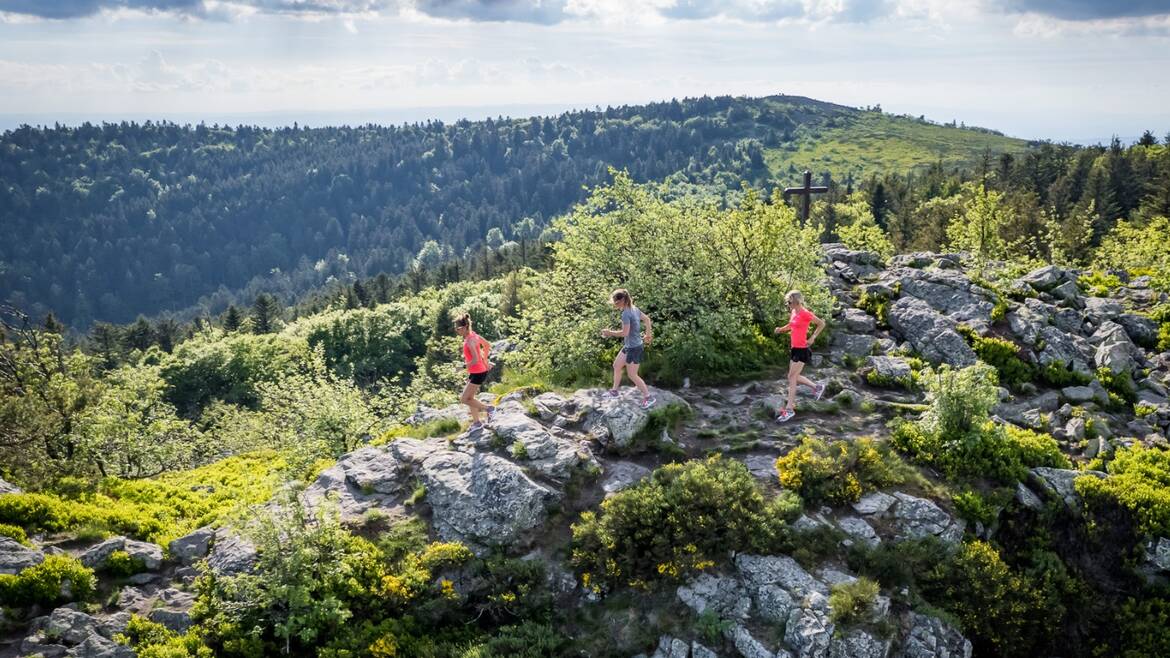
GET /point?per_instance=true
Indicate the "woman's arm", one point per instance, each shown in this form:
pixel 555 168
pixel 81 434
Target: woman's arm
pixel 785 329
pixel 648 336
pixel 820 326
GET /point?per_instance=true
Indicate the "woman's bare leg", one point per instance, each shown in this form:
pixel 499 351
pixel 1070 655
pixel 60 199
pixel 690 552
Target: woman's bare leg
pixel 618 363
pixel 632 370
pixel 794 369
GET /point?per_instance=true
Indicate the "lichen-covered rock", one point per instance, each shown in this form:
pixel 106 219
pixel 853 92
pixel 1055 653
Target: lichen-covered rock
pixel 748 646
pixel 622 475
pixel 553 456
pixel 70 626
pixel 231 554
pixel 722 596
pixel 8 487
pixel 150 555
pixel 372 477
pixel 916 518
pixel 672 647
pixel 96 646
pixel 482 500
pixel 193 546
pixel 809 630
pixel 858 321
pixel 1059 482
pixel 859 530
pixel 1062 350
pixel 890 368
pixel 16 557
pixel 930 637
pixel 858 643
pixel 615 421
pixel 853 344
pixel 932 334
pixel 1115 350
pixel 874 503
pixel 760 570
pixel 1046 278
pixel 548 405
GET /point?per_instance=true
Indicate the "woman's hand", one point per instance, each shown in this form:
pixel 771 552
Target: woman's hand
pixel 648 338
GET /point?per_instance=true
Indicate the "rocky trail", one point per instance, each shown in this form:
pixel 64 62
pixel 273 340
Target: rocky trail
pixel 518 484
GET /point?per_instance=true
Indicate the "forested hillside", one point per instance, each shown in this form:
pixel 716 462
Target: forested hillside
pixel 108 222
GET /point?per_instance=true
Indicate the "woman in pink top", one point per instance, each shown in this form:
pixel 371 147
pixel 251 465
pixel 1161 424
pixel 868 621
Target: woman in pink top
pixel 798 320
pixel 475 355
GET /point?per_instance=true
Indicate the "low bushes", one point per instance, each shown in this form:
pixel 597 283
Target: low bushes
pixel 1139 483
pixel 1003 355
pixel 683 518
pixel 58 579
pixel 852 603
pixel 838 473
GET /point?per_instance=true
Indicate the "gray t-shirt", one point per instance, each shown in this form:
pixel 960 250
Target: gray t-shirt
pixel 633 317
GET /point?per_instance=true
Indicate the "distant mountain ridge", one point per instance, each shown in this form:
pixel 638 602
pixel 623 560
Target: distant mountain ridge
pixel 114 220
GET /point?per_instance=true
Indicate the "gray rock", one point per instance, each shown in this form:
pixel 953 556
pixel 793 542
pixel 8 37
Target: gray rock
pixel 16 557
pixel 1075 429
pixel 1100 309
pixel 809 630
pixel 853 344
pixel 1140 329
pixel 1046 278
pixel 622 475
pixel 427 414
pixel 616 422
pixel 700 651
pixel 1157 553
pixel 149 554
pixel 231 554
pixel 1058 482
pixel 70 626
pixel 929 637
pixel 548 405
pixel 38 645
pixel 931 334
pixel 876 503
pixel 1069 293
pixel 176 620
pixel 1115 350
pixel 918 259
pixel 748 646
pixel 671 647
pixel 114 624
pixel 759 570
pixel 1061 349
pixel 8 488
pixel 134 599
pixel 549 455
pixel 858 529
pixel 890 368
pixel 372 477
pixel 916 518
pixel 724 597
pixel 483 500
pixel 774 603
pixel 948 292
pixel 1027 498
pixel 858 321
pixel 96 646
pixel 1026 323
pixel 1078 394
pixel 192 546
pixel 763 467
pixel 1097 446
pixel 858 644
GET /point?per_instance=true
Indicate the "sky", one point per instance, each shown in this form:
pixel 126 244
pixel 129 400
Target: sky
pixel 1065 70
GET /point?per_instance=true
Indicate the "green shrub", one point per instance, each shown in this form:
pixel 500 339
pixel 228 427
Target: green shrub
pixel 960 400
pixel 524 640
pixel 1059 375
pixel 852 603
pixel 368 345
pixel 153 640
pixel 1141 628
pixel 1003 355
pixel 876 305
pixel 58 579
pixel 1098 283
pixel 15 532
pixel 683 518
pixel 1122 392
pixel 975 507
pixel 838 473
pixel 120 565
pixel 1139 482
pixel 873 378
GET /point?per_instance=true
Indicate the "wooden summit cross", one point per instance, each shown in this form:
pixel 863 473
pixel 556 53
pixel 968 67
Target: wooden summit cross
pixel 806 191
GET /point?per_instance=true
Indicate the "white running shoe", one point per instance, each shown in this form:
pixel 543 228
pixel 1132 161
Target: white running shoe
pixel 785 416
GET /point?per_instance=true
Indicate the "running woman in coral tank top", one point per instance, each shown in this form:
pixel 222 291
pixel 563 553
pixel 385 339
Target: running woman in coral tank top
pixel 475 355
pixel 798 321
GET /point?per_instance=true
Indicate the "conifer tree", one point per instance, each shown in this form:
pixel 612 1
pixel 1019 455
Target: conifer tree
pixel 53 325
pixel 138 336
pixel 265 313
pixel 232 319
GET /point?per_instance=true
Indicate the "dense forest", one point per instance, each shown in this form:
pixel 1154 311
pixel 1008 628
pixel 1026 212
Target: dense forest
pixel 106 222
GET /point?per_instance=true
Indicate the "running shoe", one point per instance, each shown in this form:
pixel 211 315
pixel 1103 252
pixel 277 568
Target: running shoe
pixel 611 393
pixel 491 410
pixel 785 416
pixel 819 390
pixel 648 402
pixel 475 426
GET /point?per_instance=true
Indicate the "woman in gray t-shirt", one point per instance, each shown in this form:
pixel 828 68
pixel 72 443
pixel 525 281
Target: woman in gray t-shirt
pixel 633 344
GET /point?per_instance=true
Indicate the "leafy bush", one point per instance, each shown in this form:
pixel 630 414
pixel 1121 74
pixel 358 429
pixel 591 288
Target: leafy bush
pixel 153 640
pixel 1060 375
pixel 1139 483
pixel 1003 355
pixel 858 229
pixel 58 579
pixel 852 602
pixel 876 305
pixel 1141 628
pixel 1122 392
pixel 975 507
pixel 156 510
pixel 367 345
pixel 1139 247
pixel 956 435
pixel 14 532
pixel 120 565
pixel 683 518
pixel 711 279
pixel 838 473
pixel 1098 283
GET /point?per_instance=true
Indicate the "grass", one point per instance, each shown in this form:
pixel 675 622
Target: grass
pixel 871 143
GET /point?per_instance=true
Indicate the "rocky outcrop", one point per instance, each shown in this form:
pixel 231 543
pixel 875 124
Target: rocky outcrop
pixel 16 557
pixel 930 637
pixel 150 555
pixel 1059 483
pixel 614 422
pixel 192 547
pixel 231 553
pixel 69 632
pixel 931 334
pixel 535 446
pixel 8 488
pixel 910 517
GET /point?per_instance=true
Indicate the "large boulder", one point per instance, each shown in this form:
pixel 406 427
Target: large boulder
pixel 1059 483
pixel 8 488
pixel 96 646
pixel 932 334
pixel 16 557
pixel 616 421
pixel 723 597
pixel 151 555
pixel 622 475
pixel 1115 350
pixel 483 500
pixel 231 554
pixel 1141 330
pixel 1063 350
pixel 70 626
pixel 372 477
pixel 552 456
pixel 1046 278
pixel 858 321
pixel 916 518
pixel 949 292
pixel 930 637
pixel 858 643
pixel 193 546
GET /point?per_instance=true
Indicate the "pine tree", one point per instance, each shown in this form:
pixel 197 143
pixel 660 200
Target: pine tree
pixel 232 319
pixel 265 313
pixel 53 325
pixel 362 295
pixel 138 336
pixel 105 341
pixel 167 333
